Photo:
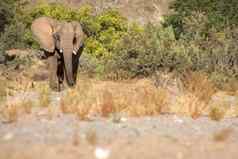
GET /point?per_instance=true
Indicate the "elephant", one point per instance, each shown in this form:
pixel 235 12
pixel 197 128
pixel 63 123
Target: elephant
pixel 62 44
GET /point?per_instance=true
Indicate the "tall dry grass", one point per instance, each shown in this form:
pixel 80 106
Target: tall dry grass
pixel 104 98
pixel 194 101
pixel 138 97
pixel 11 111
pixel 142 97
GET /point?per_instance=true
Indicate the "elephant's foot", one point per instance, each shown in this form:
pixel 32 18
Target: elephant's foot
pixel 55 86
pixel 61 86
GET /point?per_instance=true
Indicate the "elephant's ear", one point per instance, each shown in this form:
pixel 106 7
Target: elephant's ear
pixel 42 29
pixel 79 36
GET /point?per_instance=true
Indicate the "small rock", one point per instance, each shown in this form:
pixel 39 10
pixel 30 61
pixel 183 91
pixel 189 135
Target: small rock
pixel 123 119
pixel 178 120
pixel 179 155
pixel 101 153
pixel 8 136
pixel 58 98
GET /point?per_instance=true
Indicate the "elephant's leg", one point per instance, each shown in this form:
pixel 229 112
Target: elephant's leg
pixel 60 73
pixel 75 67
pixel 75 61
pixel 53 64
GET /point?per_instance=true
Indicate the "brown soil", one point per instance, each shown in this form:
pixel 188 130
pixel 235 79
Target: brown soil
pixel 165 137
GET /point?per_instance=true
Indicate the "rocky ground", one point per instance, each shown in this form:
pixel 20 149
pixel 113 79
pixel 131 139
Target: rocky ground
pixel 142 11
pixel 166 137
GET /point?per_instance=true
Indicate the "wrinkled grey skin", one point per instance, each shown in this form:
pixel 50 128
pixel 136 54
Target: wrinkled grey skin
pixel 62 43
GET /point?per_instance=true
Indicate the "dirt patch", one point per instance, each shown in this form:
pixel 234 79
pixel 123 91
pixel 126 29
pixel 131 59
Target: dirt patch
pixel 159 137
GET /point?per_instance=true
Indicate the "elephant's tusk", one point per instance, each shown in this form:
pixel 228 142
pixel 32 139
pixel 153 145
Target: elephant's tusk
pixel 74 52
pixel 61 51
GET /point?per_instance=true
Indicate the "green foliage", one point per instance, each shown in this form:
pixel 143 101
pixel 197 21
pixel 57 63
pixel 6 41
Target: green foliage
pixel 11 29
pixel 7 8
pixel 12 37
pixel 210 49
pixel 207 29
pixel 219 13
pixel 146 51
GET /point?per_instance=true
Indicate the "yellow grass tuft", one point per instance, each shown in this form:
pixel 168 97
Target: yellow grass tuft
pixel 78 101
pixel 27 106
pixel 10 113
pixel 44 98
pixel 189 105
pixel 91 137
pixel 194 100
pixel 217 113
pixel 107 104
pixel 198 84
pixel 222 135
pixel 106 97
pixel 11 110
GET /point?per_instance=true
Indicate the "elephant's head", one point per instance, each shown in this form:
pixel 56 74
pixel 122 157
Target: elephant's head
pixel 65 37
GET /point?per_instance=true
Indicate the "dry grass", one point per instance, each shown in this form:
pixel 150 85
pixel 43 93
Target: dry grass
pixel 27 106
pixel 10 113
pixel 194 101
pixel 140 97
pixel 78 101
pixel 44 93
pixel 188 105
pixel 12 110
pixel 91 137
pixel 222 135
pixel 105 98
pixel 217 113
pixel 3 91
pixel 198 84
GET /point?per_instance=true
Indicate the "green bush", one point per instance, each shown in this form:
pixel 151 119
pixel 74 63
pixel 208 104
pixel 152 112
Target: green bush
pixel 219 13
pixel 211 49
pixel 207 29
pixel 11 29
pixel 12 37
pixel 7 8
pixel 146 51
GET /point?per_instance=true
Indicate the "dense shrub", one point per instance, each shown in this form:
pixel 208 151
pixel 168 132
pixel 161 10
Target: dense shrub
pixel 148 50
pixel 7 8
pixel 208 31
pixel 12 30
pixel 220 13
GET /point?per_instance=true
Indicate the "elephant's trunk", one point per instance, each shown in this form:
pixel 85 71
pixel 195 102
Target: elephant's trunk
pixel 68 66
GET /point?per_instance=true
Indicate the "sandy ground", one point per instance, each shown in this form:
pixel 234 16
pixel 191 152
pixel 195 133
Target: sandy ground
pixel 165 137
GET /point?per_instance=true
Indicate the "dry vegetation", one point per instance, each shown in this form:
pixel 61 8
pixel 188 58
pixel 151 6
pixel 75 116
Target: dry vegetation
pixel 223 135
pixel 189 95
pixel 105 98
pixel 142 98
